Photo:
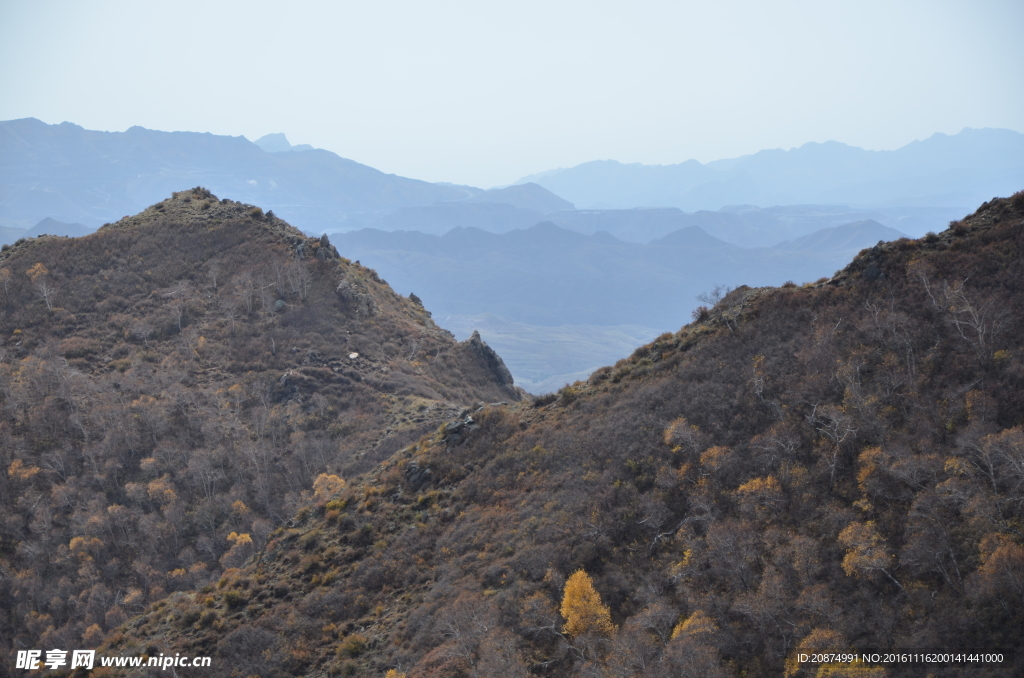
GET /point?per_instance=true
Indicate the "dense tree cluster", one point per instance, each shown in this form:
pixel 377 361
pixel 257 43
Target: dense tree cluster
pixel 177 385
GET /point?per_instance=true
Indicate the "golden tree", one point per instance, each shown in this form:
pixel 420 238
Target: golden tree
pixel 866 551
pixel 582 607
pixel 698 624
pixel 326 486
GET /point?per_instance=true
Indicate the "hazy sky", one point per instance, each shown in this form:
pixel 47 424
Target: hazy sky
pixel 486 92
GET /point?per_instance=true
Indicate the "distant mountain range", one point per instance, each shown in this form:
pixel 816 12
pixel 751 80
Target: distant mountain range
pixel 498 210
pixel 536 293
pixel 742 225
pixel 77 175
pixel 957 170
pixel 47 226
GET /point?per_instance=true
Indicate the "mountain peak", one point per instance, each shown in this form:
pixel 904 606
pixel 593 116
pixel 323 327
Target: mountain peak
pixel 278 143
pixel 198 205
pixel 525 196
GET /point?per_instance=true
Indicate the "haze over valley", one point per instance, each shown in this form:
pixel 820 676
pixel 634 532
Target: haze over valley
pixel 526 291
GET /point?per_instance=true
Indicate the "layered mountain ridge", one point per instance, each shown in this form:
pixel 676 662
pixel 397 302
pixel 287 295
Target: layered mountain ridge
pixel 557 304
pixel 942 171
pixel 70 173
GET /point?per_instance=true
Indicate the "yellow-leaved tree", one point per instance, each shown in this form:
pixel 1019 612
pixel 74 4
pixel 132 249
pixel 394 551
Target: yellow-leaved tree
pixel 826 641
pixel 582 607
pixel 326 486
pixel 866 551
pixel 697 625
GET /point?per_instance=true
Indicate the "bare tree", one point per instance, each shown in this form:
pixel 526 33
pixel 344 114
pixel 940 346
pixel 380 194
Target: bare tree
pixel 976 321
pixel 298 277
pixel 213 273
pixel 714 296
pixel 5 278
pixel 178 309
pixel 46 291
pixel 142 330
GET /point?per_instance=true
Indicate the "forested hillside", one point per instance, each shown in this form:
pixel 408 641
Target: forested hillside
pixel 170 388
pixel 828 467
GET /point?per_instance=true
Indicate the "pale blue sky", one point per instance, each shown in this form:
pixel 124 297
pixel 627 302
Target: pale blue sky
pixel 483 93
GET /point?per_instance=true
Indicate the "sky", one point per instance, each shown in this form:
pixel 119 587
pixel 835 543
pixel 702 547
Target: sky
pixel 483 93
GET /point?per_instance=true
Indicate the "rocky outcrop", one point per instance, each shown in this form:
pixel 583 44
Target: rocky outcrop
pixel 356 294
pixel 491 359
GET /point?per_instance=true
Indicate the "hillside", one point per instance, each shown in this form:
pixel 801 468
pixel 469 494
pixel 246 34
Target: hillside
pixel 958 170
pixel 183 375
pixel 808 468
pixel 73 174
pixel 846 240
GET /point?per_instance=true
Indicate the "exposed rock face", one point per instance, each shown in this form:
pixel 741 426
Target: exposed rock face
pixel 355 294
pixel 416 475
pixel 491 359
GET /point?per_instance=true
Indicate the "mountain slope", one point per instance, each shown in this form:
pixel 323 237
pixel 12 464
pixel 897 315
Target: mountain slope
pixel 182 375
pixel 847 239
pixel 73 174
pixel 804 469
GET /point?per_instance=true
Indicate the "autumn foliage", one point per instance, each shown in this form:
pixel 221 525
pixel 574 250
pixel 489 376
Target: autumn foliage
pixel 582 608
